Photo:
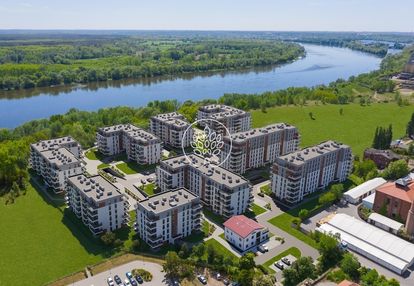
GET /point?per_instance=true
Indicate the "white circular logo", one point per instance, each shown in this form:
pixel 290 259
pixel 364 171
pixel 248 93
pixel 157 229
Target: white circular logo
pixel 208 142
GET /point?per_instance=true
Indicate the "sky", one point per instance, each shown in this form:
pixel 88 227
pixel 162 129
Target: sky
pixel 253 15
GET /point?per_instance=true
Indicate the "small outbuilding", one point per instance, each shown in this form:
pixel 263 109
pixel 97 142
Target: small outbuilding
pixel 355 195
pixel 368 202
pixel 385 223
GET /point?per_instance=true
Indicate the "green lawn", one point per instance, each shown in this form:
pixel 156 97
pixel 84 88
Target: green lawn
pixel 149 189
pixel 94 154
pixel 254 211
pixel 130 168
pixel 266 189
pixel 39 241
pixel 103 166
pixel 292 251
pixel 213 217
pixel 355 127
pixel 220 248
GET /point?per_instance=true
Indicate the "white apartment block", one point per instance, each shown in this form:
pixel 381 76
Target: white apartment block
pixel 257 147
pixel 168 217
pixel 303 172
pixel 222 191
pixel 99 204
pixel 244 233
pixel 55 160
pixel 172 129
pixel 140 146
pixel 235 120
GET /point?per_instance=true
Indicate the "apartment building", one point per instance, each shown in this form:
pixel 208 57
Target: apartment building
pixel 303 172
pixel 172 128
pixel 98 203
pixel 140 146
pixel 235 120
pixel 244 233
pixel 222 191
pixel 257 147
pixel 55 160
pixel 169 216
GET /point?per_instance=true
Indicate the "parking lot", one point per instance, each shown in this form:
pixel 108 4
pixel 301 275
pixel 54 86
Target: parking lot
pixel 291 259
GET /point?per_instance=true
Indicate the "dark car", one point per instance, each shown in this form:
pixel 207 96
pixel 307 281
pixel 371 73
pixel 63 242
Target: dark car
pixel 139 279
pixel 286 261
pixel 260 194
pixel 133 282
pixel 226 282
pixel 279 265
pixel 117 279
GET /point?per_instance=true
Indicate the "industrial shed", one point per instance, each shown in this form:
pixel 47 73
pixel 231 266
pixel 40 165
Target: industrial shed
pixel 355 195
pixel 368 202
pixel 385 223
pixel 376 244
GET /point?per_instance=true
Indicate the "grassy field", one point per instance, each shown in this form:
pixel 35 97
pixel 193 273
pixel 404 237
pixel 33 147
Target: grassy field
pixel 356 127
pixel 149 189
pixel 254 211
pixel 41 243
pixel 292 251
pixel 220 248
pixel 130 168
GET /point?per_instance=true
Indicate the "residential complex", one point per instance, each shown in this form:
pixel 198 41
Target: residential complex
pixel 140 146
pixel 255 148
pixel 98 203
pixel 303 172
pixel 55 160
pixel 224 192
pixel 168 216
pixel 396 200
pixel 244 233
pixel 235 120
pixel 172 129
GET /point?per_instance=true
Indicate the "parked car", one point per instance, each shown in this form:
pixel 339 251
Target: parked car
pixel 279 265
pixel 226 282
pixel 129 275
pixel 202 279
pixel 127 283
pixel 235 284
pixel 286 261
pixel 260 194
pixel 110 281
pixel 218 276
pixel 263 248
pixel 117 279
pixel 133 282
pixel 139 279
pixel 175 282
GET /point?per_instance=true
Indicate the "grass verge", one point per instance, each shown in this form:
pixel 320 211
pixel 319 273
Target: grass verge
pixel 292 251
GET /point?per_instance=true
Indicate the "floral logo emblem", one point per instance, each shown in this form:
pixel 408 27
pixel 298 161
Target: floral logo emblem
pixel 207 142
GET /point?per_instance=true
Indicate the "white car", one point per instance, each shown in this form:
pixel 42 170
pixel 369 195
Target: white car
pixel 110 281
pixel 127 283
pixel 263 248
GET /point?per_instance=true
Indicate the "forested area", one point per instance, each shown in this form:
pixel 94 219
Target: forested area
pixel 43 64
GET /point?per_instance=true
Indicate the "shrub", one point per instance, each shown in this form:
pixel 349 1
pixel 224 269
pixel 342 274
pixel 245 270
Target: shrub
pixel 146 275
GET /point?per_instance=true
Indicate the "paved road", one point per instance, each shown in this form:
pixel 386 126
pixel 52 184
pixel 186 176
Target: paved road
pixel 290 241
pixel 100 279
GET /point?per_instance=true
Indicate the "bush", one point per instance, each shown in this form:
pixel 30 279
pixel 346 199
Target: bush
pixel 108 238
pixel 337 276
pixel 146 275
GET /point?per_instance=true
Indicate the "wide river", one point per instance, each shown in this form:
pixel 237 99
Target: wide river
pixel 321 65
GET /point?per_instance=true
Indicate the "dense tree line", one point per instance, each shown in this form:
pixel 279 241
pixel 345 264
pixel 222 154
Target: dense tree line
pixel 45 65
pixel 382 138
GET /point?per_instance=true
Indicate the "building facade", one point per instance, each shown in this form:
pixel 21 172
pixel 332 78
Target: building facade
pixel 168 216
pixel 55 160
pixel 222 191
pixel 140 146
pixel 396 200
pixel 235 120
pixel 303 172
pixel 172 129
pixel 244 233
pixel 99 204
pixel 257 147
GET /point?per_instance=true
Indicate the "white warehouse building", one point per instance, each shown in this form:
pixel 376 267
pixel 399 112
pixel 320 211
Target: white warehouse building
pixel 355 195
pixel 376 244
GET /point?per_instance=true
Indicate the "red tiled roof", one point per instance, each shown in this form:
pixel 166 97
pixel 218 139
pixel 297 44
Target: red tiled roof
pixel 405 194
pixel 348 283
pixel 242 225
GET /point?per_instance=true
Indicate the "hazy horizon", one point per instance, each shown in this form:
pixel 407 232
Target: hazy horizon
pixel 185 15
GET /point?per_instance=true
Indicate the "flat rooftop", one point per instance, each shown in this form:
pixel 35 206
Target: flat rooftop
pixel 256 132
pixel 309 153
pixel 216 173
pixel 378 243
pixel 96 187
pixel 52 144
pixel 165 201
pixel 366 187
pixel 129 129
pixel 60 157
pixel 219 111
